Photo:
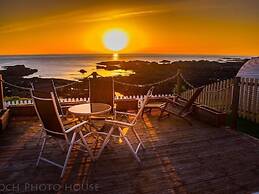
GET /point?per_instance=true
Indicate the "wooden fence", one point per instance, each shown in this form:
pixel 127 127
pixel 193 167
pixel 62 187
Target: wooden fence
pixel 78 100
pixel 249 99
pixel 219 96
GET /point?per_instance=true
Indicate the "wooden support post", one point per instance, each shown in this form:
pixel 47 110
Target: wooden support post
pixel 1 93
pixel 178 82
pixel 235 103
pixel 94 74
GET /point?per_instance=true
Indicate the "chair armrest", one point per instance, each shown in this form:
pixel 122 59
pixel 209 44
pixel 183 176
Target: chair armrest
pixel 76 126
pixel 68 122
pixel 120 123
pixel 170 100
pixel 125 113
pixel 155 105
pixel 67 106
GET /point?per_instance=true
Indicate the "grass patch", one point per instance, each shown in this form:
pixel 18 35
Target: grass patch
pixel 14 98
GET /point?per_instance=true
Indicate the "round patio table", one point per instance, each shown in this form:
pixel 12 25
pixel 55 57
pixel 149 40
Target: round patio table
pixel 85 111
pixel 90 109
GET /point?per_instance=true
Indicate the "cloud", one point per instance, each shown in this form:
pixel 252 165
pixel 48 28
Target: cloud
pixel 120 15
pixel 75 17
pixel 39 22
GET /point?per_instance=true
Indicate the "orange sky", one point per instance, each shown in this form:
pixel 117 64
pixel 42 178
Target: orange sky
pixel 228 27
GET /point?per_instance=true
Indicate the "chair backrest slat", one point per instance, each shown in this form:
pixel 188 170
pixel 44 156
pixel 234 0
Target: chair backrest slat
pixel 101 90
pixel 48 114
pixel 143 104
pixel 190 102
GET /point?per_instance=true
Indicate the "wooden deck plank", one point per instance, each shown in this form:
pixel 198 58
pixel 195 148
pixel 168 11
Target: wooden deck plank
pixel 178 159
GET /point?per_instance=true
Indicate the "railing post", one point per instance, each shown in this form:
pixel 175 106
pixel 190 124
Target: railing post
pixel 94 74
pixel 235 103
pixel 178 82
pixel 1 93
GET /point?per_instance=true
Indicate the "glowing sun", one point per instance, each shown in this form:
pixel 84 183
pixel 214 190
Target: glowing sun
pixel 115 40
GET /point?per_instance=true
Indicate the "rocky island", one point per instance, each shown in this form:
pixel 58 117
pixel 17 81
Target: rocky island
pixel 17 71
pixel 15 75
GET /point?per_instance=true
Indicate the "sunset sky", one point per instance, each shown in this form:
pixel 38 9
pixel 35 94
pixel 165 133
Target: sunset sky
pixel 227 27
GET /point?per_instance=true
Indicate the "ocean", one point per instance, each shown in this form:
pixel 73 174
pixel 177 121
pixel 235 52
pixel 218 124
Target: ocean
pixel 68 66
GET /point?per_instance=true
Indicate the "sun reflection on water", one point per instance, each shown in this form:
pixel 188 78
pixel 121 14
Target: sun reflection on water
pixel 75 74
pixel 117 72
pixel 115 56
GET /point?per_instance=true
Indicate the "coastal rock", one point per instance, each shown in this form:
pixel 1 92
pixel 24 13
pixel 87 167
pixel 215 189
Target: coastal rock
pixel 18 71
pixel 82 71
pixel 199 73
pixel 165 62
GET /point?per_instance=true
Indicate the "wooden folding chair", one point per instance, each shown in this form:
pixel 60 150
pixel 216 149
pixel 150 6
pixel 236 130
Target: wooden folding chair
pixel 52 126
pixel 186 109
pixel 101 90
pixel 42 89
pixel 120 125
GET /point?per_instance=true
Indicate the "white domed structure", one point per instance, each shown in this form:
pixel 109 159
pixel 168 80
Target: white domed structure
pixel 250 69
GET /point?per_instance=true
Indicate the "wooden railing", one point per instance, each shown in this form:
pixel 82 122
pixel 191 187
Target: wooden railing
pixel 219 95
pixel 75 100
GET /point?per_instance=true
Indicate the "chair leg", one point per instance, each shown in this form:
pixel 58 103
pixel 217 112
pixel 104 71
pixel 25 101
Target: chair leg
pixel 41 134
pixel 68 153
pixel 161 113
pixel 148 110
pixel 86 145
pixel 163 109
pixel 41 150
pixel 137 136
pixel 106 141
pixel 130 146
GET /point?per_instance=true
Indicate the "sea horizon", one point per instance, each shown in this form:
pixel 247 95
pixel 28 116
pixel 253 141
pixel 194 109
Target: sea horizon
pixel 122 54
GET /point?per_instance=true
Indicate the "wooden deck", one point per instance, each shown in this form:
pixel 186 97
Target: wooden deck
pixel 178 159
